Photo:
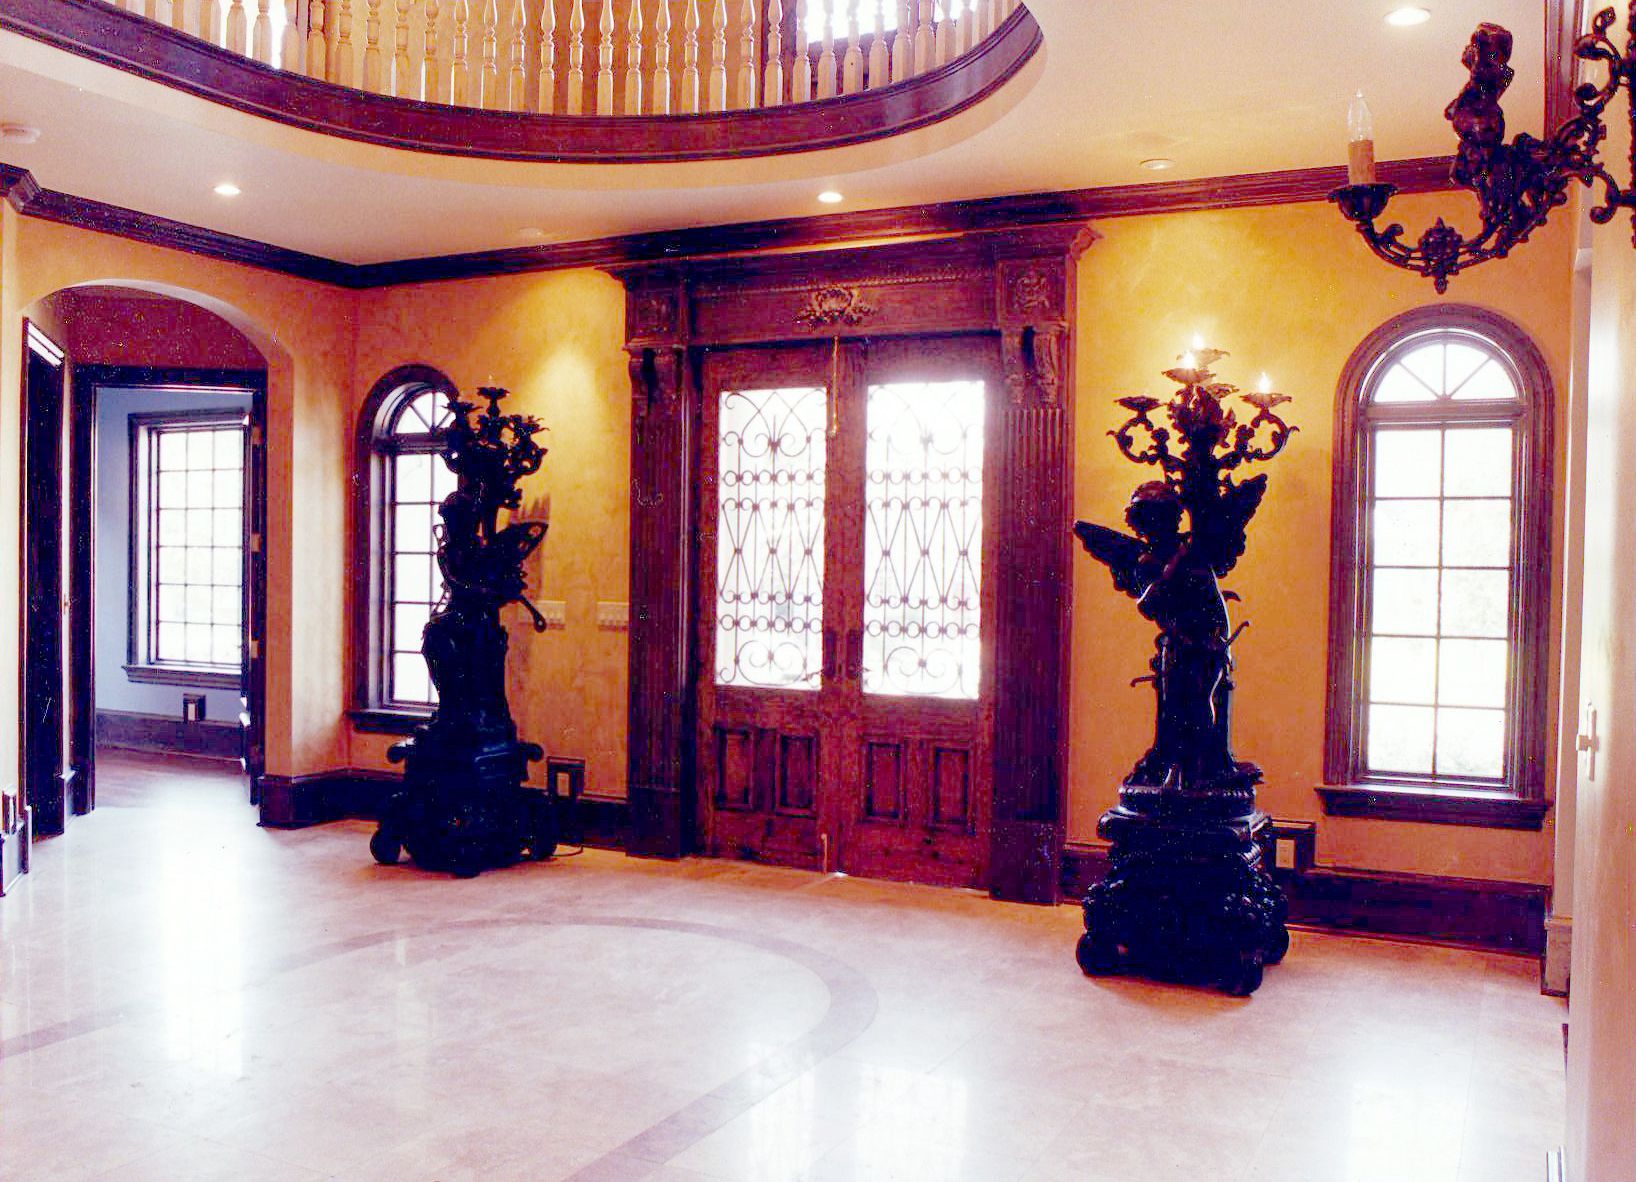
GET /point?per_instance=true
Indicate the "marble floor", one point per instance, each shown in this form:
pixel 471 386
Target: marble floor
pixel 186 997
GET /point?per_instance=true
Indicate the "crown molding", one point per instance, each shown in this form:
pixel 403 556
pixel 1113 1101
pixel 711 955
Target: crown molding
pixel 950 218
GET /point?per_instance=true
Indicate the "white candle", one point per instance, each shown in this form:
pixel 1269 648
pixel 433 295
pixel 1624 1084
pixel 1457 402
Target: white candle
pixel 1360 143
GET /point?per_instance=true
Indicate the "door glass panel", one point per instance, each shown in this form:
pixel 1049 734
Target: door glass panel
pixel 923 537
pixel 770 539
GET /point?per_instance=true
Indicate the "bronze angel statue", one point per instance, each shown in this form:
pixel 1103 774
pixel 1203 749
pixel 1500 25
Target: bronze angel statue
pixel 462 806
pixel 1187 532
pixel 1186 896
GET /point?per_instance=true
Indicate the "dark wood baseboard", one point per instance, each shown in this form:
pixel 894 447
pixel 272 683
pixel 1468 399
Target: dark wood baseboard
pixel 170 736
pixel 14 848
pixel 295 802
pixel 1471 912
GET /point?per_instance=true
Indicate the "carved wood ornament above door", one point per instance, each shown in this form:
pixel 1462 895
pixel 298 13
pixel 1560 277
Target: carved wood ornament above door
pixel 833 764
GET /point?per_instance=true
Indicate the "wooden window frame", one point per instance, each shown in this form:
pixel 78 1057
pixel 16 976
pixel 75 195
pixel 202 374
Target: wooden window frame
pixel 1349 789
pixel 372 480
pixel 141 636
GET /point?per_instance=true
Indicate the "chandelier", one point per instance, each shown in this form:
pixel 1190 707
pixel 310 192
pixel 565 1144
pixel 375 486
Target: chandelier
pixel 1517 184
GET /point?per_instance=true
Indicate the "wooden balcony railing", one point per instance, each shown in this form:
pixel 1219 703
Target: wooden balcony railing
pixel 595 57
pixel 570 80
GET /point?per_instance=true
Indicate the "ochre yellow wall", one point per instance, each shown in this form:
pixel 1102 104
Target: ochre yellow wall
pixel 556 340
pixel 1290 290
pixel 306 332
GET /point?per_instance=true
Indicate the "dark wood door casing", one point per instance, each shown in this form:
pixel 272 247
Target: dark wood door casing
pixel 1015 286
pixel 44 674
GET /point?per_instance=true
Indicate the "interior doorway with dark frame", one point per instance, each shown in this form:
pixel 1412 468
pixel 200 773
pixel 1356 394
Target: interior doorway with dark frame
pixel 169 469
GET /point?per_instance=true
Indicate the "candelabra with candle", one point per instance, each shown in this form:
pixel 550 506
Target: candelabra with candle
pixel 1517 184
pixel 1188 896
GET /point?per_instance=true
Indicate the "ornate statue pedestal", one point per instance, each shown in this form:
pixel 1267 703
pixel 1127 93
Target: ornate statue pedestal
pixel 463 808
pixel 1187 898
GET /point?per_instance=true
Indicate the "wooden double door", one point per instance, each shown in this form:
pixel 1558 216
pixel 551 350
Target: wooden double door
pixel 845 617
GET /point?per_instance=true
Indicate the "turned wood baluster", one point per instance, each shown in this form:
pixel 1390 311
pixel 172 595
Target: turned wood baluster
pixel 261 34
pixel 210 21
pixel 401 68
pixel 661 59
pixel 925 39
pixel 633 59
pixel 431 65
pixel 517 57
pixel 459 66
pixel 604 60
pixel 289 49
pixel 748 46
pixel 546 85
pixel 903 43
pixel 690 59
pixel 342 66
pixel 150 9
pixel 317 43
pixel 372 47
pixel 178 14
pixel 826 59
pixel 880 67
pixel 801 63
pixel 238 25
pixel 852 63
pixel 576 58
pixel 488 78
pixel 718 56
pixel 772 83
pixel 945 33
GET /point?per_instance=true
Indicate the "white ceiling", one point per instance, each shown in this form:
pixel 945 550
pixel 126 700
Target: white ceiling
pixel 1223 87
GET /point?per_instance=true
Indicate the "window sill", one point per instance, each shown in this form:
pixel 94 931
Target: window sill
pixel 1436 806
pixel 185 675
pixel 379 721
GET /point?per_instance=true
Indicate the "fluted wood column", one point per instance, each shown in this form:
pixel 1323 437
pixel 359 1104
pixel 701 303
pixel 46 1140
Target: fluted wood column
pixel 1032 451
pixel 661 579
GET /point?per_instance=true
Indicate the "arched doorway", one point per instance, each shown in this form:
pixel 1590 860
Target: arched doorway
pixel 144 531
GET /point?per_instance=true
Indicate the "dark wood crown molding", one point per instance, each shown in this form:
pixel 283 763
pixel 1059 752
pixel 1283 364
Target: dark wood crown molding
pixel 126 41
pixel 1424 175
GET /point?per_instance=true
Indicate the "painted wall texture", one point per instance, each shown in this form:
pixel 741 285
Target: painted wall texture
pixel 1602 1017
pixel 306 332
pixel 1290 290
pixel 556 340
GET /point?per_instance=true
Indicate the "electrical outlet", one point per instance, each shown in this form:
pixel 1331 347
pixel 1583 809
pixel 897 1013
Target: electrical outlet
pixel 193 707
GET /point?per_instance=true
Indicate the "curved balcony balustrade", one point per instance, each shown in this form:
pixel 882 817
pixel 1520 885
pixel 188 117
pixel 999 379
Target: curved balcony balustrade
pixel 571 80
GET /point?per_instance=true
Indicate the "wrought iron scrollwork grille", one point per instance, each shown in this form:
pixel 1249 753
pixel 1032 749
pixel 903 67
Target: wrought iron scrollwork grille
pixel 923 556
pixel 770 538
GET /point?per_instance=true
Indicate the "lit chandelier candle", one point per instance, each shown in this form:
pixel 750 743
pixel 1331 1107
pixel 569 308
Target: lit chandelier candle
pixel 1360 142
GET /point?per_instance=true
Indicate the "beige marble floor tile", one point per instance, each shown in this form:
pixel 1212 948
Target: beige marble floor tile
pixel 197 998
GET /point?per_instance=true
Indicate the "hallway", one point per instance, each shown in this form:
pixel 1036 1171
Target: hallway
pixel 184 996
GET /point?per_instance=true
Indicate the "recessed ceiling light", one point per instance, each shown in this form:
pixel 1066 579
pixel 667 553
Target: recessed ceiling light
pixel 18 133
pixel 831 197
pixel 1158 163
pixel 533 232
pixel 227 189
pixel 1408 15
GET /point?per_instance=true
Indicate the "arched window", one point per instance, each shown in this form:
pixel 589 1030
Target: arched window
pixel 402 480
pixel 1440 576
